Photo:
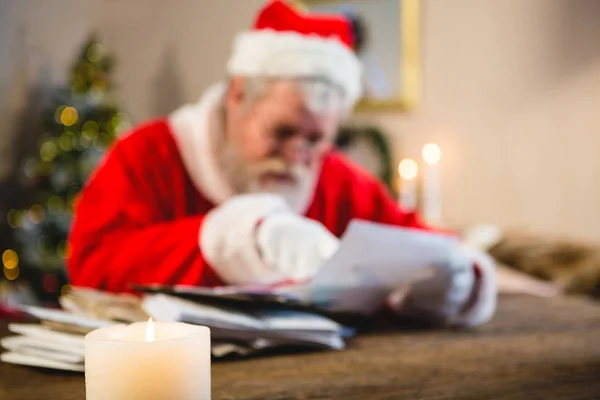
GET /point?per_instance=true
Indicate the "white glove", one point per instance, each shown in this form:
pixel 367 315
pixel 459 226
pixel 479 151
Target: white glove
pixel 461 292
pixel 295 246
pixel 256 239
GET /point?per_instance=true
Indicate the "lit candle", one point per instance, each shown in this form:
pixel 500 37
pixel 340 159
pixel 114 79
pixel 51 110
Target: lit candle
pixel 432 191
pixel 150 361
pixel 408 170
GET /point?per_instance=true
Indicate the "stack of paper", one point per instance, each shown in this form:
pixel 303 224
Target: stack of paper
pixel 57 340
pixel 255 327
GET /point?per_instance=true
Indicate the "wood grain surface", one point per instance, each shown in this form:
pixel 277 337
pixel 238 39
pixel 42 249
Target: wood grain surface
pixel 534 349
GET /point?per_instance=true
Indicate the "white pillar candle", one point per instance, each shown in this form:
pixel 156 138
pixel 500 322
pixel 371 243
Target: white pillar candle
pixel 150 361
pixel 408 169
pixel 432 190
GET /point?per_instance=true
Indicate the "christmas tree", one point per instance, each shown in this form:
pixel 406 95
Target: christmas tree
pixel 80 122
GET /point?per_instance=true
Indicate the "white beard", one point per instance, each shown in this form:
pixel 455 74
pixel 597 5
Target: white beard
pixel 245 178
pixel 296 193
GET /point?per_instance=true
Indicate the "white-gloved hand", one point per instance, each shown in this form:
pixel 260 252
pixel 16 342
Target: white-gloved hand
pixel 461 292
pixel 294 246
pixel 256 239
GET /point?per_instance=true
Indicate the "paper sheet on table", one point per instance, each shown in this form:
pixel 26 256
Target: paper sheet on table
pixel 372 261
pixel 34 361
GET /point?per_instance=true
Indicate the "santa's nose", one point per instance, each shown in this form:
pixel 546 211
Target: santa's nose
pixel 295 151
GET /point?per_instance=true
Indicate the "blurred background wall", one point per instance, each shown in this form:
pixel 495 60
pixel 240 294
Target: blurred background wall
pixel 511 91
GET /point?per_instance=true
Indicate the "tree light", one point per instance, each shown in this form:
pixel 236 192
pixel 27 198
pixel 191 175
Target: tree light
pixel 10 259
pixel 48 151
pixel 55 204
pixel 69 116
pixel 12 274
pixel 61 249
pixel 13 218
pixel 58 113
pixel 95 52
pixel 65 142
pixel 90 129
pixel 36 214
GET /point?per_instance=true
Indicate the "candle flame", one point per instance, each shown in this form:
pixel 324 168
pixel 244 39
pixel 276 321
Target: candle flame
pixel 150 331
pixel 432 153
pixel 408 169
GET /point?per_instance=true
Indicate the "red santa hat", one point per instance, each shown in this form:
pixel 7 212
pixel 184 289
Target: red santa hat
pixel 286 43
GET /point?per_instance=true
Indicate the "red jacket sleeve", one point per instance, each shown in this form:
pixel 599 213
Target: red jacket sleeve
pixel 125 230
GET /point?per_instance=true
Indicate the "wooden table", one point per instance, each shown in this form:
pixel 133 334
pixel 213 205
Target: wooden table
pixel 534 349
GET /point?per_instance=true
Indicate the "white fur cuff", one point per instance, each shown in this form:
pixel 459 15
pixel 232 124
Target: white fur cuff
pixel 227 238
pixel 486 294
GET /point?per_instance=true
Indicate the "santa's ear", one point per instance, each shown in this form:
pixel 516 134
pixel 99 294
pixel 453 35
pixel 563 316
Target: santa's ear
pixel 235 93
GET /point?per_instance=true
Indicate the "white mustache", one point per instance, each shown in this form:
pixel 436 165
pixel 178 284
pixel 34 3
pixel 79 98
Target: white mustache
pixel 277 166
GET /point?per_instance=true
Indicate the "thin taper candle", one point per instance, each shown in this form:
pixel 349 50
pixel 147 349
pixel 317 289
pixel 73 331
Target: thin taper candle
pixel 432 191
pixel 408 170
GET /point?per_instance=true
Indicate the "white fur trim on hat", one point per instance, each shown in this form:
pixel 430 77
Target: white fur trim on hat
pixel 290 54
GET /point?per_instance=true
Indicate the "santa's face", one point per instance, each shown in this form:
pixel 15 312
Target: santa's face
pixel 275 142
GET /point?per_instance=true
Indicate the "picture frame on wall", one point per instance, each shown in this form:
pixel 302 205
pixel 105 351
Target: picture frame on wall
pixel 387 35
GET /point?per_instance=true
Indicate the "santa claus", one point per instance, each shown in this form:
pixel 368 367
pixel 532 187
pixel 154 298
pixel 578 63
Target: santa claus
pixel 243 187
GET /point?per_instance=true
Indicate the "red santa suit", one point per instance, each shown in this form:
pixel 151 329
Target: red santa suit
pixel 154 211
pixel 139 217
